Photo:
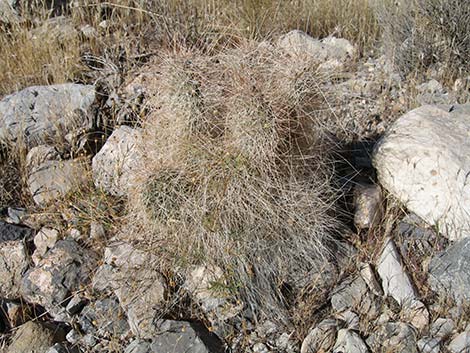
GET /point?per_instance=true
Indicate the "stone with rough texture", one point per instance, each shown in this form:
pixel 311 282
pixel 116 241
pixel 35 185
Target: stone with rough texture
pixel 424 161
pixel 140 289
pixel 321 338
pixel 328 49
pixel 350 342
pixel 13 263
pixel 54 179
pixel 442 328
pixel 397 335
pixel 448 271
pixel 395 281
pixel 35 337
pixel 44 240
pixel 429 345
pixel 13 232
pixel 103 318
pixel 181 336
pixel 40 154
pixel 116 164
pixel 8 14
pixel 368 204
pixel 416 313
pixel 62 270
pixel 460 343
pixel 40 114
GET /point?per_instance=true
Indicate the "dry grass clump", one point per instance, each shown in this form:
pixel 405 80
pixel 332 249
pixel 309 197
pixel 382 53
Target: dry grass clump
pixel 237 171
pixel 420 34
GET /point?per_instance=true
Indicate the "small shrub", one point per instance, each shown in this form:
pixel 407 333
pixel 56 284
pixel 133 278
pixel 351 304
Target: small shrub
pixel 420 34
pixel 237 171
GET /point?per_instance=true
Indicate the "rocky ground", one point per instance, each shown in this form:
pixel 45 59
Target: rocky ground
pixel 73 280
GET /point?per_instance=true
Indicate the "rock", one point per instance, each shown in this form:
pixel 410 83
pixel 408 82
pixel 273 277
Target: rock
pixel 15 215
pixel 38 114
pixel 138 346
pixel 44 240
pixel 104 318
pixel 298 43
pixel 58 348
pixel 35 337
pixel 448 271
pixel 355 295
pixel 397 335
pixel 429 345
pixel 368 275
pixel 350 318
pixel 140 290
pixel 350 342
pixel 460 343
pixel 97 231
pixel 321 338
pixel 62 270
pixel 73 337
pixel 13 264
pixel 115 166
pixel 442 328
pixel 8 14
pixel 181 336
pixel 416 313
pixel 54 179
pixel 75 305
pixel 423 161
pixel 417 238
pixel 395 280
pixel 12 232
pixel 260 348
pixel 40 154
pixel 368 204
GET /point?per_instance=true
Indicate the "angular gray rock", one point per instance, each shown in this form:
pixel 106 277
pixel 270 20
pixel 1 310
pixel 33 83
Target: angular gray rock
pixel 442 328
pixel 424 161
pixel 13 264
pixel 40 114
pixel 429 345
pixel 62 270
pixel 397 335
pixel 181 336
pixel 128 273
pixel 35 337
pixel 104 318
pixel 448 271
pixel 321 338
pixel 395 281
pixel 54 179
pixel 117 164
pixel 460 343
pixel 350 342
pixel 13 232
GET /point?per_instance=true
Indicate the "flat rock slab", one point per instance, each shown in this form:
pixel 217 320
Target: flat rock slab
pixel 395 281
pixel 40 114
pixel 449 271
pixel 117 163
pixel 54 179
pixel 424 161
